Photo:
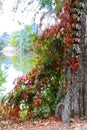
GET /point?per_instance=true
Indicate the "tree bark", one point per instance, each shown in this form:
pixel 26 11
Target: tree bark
pixel 75 102
pixel 85 60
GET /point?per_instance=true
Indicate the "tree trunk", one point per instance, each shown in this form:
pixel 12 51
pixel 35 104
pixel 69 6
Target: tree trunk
pixel 75 102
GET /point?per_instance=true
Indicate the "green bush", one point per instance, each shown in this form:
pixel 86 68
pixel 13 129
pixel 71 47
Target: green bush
pixel 2 77
pixel 36 91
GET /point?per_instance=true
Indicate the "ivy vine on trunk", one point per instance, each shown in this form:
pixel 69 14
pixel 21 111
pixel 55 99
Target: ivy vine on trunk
pixel 60 71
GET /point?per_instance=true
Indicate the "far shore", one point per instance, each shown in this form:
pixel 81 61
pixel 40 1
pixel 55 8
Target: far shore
pixel 9 51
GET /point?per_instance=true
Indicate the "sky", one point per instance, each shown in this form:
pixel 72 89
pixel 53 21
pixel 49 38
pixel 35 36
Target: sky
pixel 6 22
pixel 7 25
pixel 9 20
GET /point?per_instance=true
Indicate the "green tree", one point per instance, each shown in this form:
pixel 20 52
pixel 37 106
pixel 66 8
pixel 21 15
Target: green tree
pixel 2 78
pixel 22 39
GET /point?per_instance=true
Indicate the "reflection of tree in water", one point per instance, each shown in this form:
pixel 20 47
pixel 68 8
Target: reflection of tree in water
pixel 2 77
pixel 23 62
pixel 8 73
pixel 4 59
pixel 5 66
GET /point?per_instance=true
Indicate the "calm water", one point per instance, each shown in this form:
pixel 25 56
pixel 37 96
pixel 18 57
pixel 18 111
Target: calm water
pixel 13 67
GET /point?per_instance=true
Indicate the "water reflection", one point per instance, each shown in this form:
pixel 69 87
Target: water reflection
pixel 11 74
pixel 14 67
pixel 23 62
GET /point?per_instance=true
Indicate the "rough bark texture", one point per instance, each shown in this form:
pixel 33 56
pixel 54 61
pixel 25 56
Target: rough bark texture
pixel 75 102
pixel 85 61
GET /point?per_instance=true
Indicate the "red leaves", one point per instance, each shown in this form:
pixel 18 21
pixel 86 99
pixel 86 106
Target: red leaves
pixel 33 70
pixel 37 101
pixel 31 114
pixel 75 67
pixel 14 112
pixel 68 40
pixel 67 9
pixel 9 112
pixel 72 17
pixel 68 27
pixel 72 61
pixel 51 31
pixel 26 79
pixel 20 80
pixel 71 78
pixel 74 64
pixel 28 82
pixel 25 95
pixel 58 120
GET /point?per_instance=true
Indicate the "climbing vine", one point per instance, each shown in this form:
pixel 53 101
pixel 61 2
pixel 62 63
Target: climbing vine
pixel 57 49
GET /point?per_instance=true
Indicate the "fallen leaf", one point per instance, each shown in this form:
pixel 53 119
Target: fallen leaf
pixel 4 122
pixel 46 123
pixel 58 119
pixel 72 120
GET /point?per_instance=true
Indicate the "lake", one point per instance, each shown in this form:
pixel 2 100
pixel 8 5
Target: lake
pixel 13 67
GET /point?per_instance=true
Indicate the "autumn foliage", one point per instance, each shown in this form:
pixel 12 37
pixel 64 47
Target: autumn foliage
pixel 38 91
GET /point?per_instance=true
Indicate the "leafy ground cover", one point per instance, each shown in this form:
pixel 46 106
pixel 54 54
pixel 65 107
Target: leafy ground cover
pixel 48 124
